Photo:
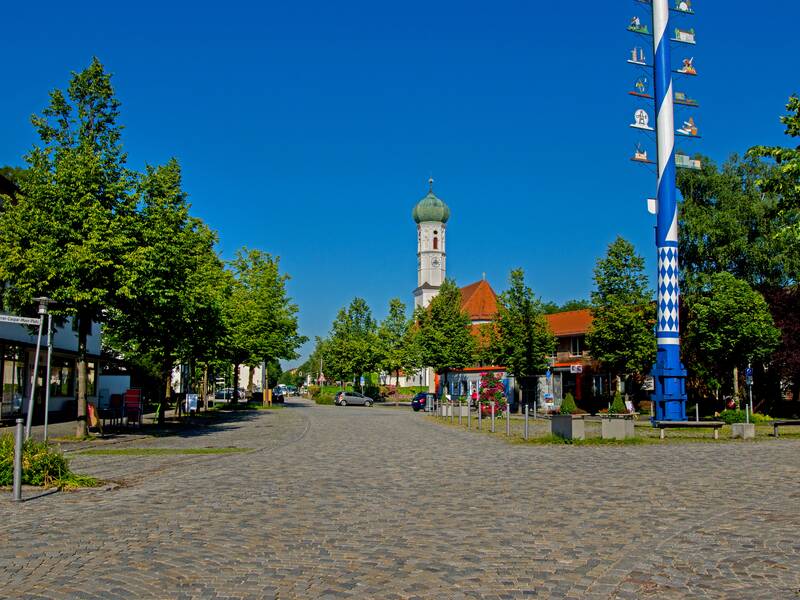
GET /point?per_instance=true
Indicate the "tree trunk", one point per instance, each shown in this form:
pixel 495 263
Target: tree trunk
pixel 736 386
pixel 84 328
pixel 397 378
pixel 205 387
pixel 250 372
pixel 235 397
pixel 166 381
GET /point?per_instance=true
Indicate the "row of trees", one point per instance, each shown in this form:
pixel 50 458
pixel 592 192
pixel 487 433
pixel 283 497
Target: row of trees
pixel 112 246
pixel 440 336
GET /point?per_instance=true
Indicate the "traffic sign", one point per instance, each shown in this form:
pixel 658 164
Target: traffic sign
pixel 576 368
pixel 18 320
pixel 748 372
pixel 548 374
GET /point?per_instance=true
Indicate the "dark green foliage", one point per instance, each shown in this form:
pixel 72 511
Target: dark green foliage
pixel 568 406
pixel 352 348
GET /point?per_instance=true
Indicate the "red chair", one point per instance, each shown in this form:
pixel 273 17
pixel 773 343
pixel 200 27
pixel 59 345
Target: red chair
pixel 132 404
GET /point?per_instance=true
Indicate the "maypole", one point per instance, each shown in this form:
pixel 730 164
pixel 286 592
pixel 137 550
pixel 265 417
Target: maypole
pixel 669 374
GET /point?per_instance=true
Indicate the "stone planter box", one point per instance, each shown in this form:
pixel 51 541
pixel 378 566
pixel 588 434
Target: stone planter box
pixel 460 409
pixel 569 427
pixel 745 431
pixel 617 428
pixel 444 410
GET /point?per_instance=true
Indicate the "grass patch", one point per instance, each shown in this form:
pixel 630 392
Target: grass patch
pixel 158 451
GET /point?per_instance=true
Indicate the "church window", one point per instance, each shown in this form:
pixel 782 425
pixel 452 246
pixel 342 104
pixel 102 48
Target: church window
pixel 435 240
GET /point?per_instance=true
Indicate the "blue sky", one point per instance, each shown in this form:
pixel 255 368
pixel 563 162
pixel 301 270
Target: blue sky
pixel 309 129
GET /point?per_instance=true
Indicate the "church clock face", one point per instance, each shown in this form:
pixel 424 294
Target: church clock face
pixel 435 262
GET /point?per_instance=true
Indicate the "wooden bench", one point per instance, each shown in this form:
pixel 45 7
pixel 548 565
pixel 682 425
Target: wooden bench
pixel 776 424
pixel 662 425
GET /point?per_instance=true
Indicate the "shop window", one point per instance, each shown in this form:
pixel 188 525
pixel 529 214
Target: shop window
pixel 62 378
pixel 13 378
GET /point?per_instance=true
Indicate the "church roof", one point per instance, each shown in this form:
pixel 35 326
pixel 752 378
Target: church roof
pixel 431 208
pixel 572 322
pixel 479 301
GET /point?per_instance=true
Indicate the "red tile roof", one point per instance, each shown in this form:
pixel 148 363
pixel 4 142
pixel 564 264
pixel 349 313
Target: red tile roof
pixel 479 301
pixel 573 322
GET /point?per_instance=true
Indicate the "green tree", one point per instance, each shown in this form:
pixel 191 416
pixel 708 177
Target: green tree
pixel 261 318
pixel 64 236
pixel 353 348
pixel 171 282
pixel 784 180
pixel 621 336
pixel 396 336
pixel 524 340
pixel 728 223
pixel 729 323
pixel 443 335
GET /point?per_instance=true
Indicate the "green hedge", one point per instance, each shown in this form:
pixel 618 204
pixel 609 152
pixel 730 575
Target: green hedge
pixel 41 465
pixel 738 416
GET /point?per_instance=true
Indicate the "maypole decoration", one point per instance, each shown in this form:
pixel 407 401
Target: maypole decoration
pixel 669 375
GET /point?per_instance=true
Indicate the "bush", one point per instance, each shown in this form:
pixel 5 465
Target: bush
pixel 568 406
pixel 730 416
pixel 617 405
pixel 41 465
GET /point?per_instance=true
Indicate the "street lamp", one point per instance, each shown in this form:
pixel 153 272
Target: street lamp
pixel 43 302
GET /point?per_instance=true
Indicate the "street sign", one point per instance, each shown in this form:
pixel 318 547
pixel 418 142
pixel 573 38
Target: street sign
pixel 748 372
pixel 576 368
pixel 18 320
pixel 362 380
pixel 548 374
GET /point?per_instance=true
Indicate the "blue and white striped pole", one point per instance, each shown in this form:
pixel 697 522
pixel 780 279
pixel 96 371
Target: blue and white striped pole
pixel 668 372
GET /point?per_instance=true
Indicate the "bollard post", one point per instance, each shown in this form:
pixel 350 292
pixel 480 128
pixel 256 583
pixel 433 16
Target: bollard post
pixel 492 416
pixel 508 420
pixel 697 412
pixel 526 421
pixel 451 412
pixel 469 414
pixel 17 497
pixel 459 412
pixel 480 416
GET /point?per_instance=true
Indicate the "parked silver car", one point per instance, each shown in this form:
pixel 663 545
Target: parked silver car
pixel 345 398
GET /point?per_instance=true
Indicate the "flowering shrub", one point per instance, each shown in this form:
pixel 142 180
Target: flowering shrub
pixel 492 392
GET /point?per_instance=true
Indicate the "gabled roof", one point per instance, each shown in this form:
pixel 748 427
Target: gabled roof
pixel 479 301
pixel 573 322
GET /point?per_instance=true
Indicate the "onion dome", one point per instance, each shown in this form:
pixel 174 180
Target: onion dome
pixel 431 208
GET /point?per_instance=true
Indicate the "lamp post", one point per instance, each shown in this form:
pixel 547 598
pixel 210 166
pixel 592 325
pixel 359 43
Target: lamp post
pixel 43 302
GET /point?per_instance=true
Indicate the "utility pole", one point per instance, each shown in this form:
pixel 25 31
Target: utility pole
pixel 43 301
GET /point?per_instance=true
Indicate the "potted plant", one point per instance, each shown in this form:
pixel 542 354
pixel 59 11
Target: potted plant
pixel 492 394
pixel 617 424
pixel 568 422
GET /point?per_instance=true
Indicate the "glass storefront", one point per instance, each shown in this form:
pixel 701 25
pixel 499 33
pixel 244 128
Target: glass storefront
pixel 13 358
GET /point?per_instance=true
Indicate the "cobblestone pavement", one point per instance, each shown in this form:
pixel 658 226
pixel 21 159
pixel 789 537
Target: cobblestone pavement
pixel 377 503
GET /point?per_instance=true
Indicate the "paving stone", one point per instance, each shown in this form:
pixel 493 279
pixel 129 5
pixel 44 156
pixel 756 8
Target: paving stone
pixel 381 503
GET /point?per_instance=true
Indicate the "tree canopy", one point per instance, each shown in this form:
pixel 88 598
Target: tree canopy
pixel 624 314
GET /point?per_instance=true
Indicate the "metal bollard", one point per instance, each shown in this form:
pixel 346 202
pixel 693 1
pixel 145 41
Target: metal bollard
pixel 480 416
pixel 459 412
pixel 492 417
pixel 697 412
pixel 451 412
pixel 17 496
pixel 508 420
pixel 526 422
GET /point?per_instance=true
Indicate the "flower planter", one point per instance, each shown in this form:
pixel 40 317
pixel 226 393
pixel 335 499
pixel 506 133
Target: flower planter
pixel 569 427
pixel 617 427
pixel 445 410
pixel 746 431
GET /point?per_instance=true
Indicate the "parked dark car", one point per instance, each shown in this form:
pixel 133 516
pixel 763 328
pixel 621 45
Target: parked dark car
pixel 345 398
pixel 420 401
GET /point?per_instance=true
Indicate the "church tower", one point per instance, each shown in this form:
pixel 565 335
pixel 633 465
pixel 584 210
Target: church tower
pixel 431 215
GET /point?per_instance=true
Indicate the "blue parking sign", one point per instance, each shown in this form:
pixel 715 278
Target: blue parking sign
pixel 748 372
